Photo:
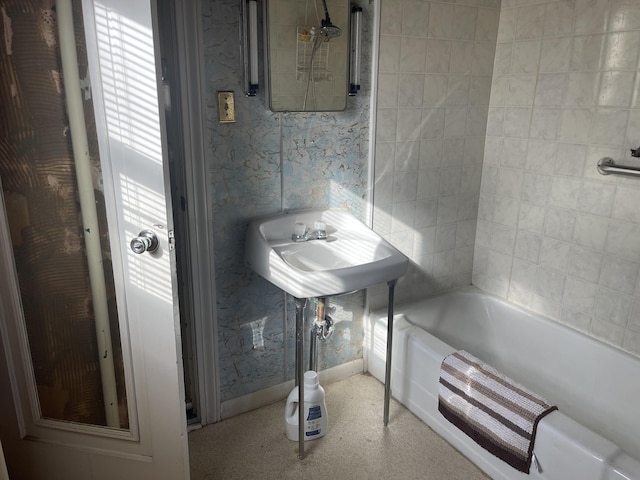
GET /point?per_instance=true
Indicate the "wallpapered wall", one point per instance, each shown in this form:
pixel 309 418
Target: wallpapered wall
pixel 264 163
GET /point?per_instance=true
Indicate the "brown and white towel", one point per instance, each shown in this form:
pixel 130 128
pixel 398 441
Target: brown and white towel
pixel 496 412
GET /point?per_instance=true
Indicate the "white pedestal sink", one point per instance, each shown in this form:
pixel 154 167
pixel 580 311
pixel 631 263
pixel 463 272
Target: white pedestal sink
pixel 349 257
pixel 352 257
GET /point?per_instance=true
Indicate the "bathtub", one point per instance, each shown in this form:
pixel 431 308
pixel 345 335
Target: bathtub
pixel 595 434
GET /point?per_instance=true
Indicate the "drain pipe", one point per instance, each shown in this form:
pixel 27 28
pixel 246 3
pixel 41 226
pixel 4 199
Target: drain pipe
pixel 75 109
pixel 313 343
pixel 322 328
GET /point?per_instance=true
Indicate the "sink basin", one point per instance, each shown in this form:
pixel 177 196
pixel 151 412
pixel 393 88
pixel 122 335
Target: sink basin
pixel 352 257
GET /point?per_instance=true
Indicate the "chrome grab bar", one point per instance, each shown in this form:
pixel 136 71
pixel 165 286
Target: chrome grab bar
pixel 607 166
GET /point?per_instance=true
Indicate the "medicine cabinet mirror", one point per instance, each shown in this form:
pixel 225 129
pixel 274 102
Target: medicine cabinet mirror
pixel 307 54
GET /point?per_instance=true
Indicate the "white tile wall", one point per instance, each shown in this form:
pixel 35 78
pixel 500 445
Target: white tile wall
pixel 434 82
pixel 553 235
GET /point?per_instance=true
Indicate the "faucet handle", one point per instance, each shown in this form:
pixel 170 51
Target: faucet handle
pixel 299 232
pixel 299 228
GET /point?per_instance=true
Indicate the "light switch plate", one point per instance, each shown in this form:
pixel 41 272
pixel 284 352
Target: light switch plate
pixel 226 107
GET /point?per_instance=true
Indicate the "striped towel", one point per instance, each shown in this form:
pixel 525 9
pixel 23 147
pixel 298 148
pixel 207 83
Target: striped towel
pixel 497 413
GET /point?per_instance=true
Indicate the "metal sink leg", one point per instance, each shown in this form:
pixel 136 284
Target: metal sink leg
pixel 300 304
pixel 387 373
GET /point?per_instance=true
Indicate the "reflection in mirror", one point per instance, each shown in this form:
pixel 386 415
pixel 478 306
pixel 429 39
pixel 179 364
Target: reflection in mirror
pixel 308 54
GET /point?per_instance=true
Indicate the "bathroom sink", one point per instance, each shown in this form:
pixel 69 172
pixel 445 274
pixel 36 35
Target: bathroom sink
pixel 352 256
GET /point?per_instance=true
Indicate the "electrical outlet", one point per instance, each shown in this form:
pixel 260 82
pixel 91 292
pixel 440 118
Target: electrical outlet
pixel 226 107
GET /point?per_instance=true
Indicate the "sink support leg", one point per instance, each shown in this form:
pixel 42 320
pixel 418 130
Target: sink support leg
pixel 387 373
pixel 300 304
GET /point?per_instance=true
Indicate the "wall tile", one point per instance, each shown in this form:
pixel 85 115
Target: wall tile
pixel 531 217
pixel 584 264
pixel 559 224
pixel 487 25
pixel 579 295
pixel 596 198
pixel 559 18
pixel 507 25
pixel 619 274
pixel 412 58
pixel 410 90
pixel 530 22
pixel 625 206
pixel 552 233
pixel 587 52
pixel 575 319
pixel 575 125
pixel 465 19
pixel 391 17
pixel 616 89
pixel 526 55
pixel 389 57
pixel 556 54
pixel 438 54
pixel 608 332
pixel 624 15
pixel 440 20
pixel 555 254
pixel 550 284
pixel 581 89
pixel 613 307
pixel 608 127
pixel 505 211
pixel 435 90
pixel 590 16
pixel 415 15
pixel 591 232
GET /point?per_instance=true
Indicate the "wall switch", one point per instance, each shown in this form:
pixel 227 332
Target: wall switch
pixel 226 107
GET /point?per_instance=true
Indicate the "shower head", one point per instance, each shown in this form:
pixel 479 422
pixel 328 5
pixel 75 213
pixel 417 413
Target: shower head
pixel 330 31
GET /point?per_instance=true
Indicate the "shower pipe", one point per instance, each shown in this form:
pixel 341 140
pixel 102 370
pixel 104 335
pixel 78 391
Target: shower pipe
pixel 80 144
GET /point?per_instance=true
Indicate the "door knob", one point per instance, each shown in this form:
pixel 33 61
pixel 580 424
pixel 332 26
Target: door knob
pixel 146 241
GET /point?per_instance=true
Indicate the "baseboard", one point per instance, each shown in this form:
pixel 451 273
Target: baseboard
pixel 266 396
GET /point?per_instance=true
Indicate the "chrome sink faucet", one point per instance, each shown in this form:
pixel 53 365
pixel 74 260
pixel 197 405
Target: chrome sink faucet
pixel 303 234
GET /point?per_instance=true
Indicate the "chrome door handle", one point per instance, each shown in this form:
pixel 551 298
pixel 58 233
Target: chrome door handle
pixel 146 241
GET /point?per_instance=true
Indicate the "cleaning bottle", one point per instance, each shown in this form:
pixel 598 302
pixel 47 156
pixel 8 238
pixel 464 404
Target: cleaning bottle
pixel 315 410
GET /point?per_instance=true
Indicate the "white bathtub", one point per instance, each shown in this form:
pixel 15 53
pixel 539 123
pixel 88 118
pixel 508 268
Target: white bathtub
pixel 595 434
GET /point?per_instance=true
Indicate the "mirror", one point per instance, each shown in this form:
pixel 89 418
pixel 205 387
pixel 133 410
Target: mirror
pixel 307 54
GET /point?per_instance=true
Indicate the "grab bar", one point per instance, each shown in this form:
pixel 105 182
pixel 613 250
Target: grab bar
pixel 607 166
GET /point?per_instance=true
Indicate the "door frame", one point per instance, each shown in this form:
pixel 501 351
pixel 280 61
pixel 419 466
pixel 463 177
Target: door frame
pixel 189 39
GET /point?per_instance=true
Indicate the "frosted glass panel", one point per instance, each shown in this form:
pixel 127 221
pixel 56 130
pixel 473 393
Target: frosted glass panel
pixel 40 191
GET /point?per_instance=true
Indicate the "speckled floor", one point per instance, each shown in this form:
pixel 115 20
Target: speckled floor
pixel 357 445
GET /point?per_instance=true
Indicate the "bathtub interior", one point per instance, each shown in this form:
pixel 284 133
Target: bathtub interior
pixel 472 321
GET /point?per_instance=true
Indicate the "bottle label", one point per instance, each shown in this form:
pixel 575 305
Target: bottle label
pixel 314 413
pixel 314 421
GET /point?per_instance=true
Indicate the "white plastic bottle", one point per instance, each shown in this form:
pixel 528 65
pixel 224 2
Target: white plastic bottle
pixel 315 411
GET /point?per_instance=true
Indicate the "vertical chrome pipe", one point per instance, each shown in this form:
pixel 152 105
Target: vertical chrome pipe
pixel 387 373
pixel 300 304
pixel 313 344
